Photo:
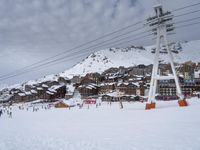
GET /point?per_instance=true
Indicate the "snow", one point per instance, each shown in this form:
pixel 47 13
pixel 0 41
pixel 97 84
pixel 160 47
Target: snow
pixel 28 93
pixel 116 57
pixel 55 87
pixel 104 128
pixel 70 89
pixel 44 86
pixel 50 93
pixel 5 97
pixel 105 59
pixel 51 77
pixel 52 90
pixel 34 91
pixel 39 88
pixel 117 94
pixel 21 94
pixel 197 74
pixel 71 102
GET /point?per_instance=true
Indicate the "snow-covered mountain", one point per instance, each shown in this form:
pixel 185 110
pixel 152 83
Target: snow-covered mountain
pixel 115 57
pixel 130 56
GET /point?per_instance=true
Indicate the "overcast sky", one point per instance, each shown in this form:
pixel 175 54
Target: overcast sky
pixel 31 30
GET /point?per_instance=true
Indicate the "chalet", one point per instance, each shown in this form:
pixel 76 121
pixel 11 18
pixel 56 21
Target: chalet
pixel 140 91
pixel 88 90
pixel 45 86
pixel 95 77
pixel 60 90
pixel 127 88
pixel 20 97
pixel 50 96
pixel 111 79
pixel 115 96
pixel 28 96
pixel 87 80
pixel 34 93
pixel 29 87
pixel 55 91
pixel 41 92
pixel 140 70
pixel 106 87
pixel 61 104
pixel 167 88
pixel 187 69
pixel 65 103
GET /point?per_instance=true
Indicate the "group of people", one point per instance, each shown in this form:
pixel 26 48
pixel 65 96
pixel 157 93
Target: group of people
pixel 34 107
pixel 6 110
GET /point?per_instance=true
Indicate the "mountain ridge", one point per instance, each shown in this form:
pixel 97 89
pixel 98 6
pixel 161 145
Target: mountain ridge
pixel 104 59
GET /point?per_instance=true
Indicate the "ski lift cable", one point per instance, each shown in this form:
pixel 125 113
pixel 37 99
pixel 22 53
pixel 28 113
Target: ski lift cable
pixel 99 38
pixel 56 62
pixel 84 44
pixel 100 45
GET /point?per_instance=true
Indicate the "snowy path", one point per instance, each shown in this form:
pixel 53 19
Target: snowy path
pixel 104 128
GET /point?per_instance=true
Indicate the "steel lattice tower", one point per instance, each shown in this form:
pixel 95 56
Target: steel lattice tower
pixel 161 24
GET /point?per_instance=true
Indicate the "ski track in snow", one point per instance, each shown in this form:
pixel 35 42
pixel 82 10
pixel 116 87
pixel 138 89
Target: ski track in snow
pixel 104 128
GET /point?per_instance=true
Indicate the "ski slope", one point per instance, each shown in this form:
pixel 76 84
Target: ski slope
pixel 104 128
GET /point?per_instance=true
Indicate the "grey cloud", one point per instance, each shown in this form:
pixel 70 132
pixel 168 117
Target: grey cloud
pixel 31 30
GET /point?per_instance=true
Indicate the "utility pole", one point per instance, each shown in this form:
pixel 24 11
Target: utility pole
pixel 161 24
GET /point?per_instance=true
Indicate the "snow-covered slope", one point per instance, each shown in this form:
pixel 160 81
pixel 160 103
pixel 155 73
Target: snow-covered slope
pixel 104 59
pixel 107 127
pixel 115 57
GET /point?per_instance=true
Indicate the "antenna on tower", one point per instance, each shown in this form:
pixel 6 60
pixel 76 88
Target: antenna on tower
pixel 161 24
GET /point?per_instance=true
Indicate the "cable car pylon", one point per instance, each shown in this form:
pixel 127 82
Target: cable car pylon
pixel 161 24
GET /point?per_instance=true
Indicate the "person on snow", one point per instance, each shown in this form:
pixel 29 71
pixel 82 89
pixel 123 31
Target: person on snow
pixel 1 112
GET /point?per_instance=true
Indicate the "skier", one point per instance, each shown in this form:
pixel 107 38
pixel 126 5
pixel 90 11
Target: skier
pixel 10 114
pixel 1 112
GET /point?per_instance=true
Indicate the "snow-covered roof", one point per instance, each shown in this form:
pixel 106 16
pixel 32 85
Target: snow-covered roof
pixel 28 93
pixel 118 94
pixel 21 94
pixel 34 91
pixel 52 90
pixel 91 86
pixel 45 86
pixel 50 93
pixel 56 86
pixel 39 88
pixel 103 84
